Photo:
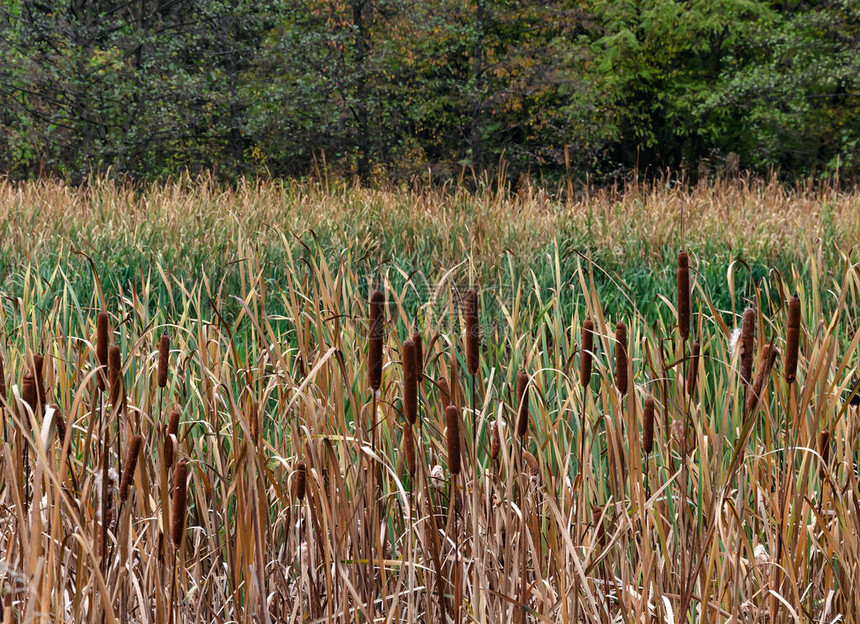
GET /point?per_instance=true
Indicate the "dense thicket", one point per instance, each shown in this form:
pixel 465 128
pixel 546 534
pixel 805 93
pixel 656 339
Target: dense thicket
pixel 396 88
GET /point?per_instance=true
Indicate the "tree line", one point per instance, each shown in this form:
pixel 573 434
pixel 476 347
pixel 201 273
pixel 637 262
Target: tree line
pixel 397 88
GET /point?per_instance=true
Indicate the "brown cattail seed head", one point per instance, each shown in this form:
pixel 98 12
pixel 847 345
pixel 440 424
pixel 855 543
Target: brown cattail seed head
pixel 792 339
pixel 473 336
pixel 648 426
pixel 531 465
pixel 301 479
pixel 130 464
pixel 683 294
pixel 824 451
pixel 180 501
pixel 495 440
pixel 163 359
pixel 115 374
pixel 693 370
pixel 102 344
pixel 452 435
pixel 522 403
pixel 747 345
pixel 621 358
pixel 419 356
pixel 410 382
pixel 2 379
pixel 28 391
pixel 409 447
pixel 586 352
pixel 376 327
pixel 769 355
pixel 172 432
pixel 39 376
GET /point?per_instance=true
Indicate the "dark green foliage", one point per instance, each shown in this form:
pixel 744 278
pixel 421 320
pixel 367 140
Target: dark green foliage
pixel 395 89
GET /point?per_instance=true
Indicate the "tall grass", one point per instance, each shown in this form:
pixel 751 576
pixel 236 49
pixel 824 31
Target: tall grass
pixel 260 493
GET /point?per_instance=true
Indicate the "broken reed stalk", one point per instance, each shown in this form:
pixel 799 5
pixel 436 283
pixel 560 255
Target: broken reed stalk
pixel 747 345
pixel 586 352
pixel 693 371
pixel 621 358
pixel 683 295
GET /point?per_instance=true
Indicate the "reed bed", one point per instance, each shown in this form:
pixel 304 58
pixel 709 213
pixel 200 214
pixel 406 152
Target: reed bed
pixel 372 453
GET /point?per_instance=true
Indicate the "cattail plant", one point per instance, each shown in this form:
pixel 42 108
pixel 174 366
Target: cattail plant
pixel 586 353
pixel 495 441
pixel 452 437
pixel 130 464
pixel 410 382
pixel 648 426
pixel 376 326
pixel 473 334
pixel 301 480
pixel 115 375
pixel 683 295
pixel 102 345
pixel 163 359
pixel 747 345
pixel 621 358
pixel 59 422
pixel 824 451
pixel 531 465
pixel 39 376
pixel 522 404
pixel 693 371
pixel 178 508
pixel 792 341
pixel 769 355
pixel 29 394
